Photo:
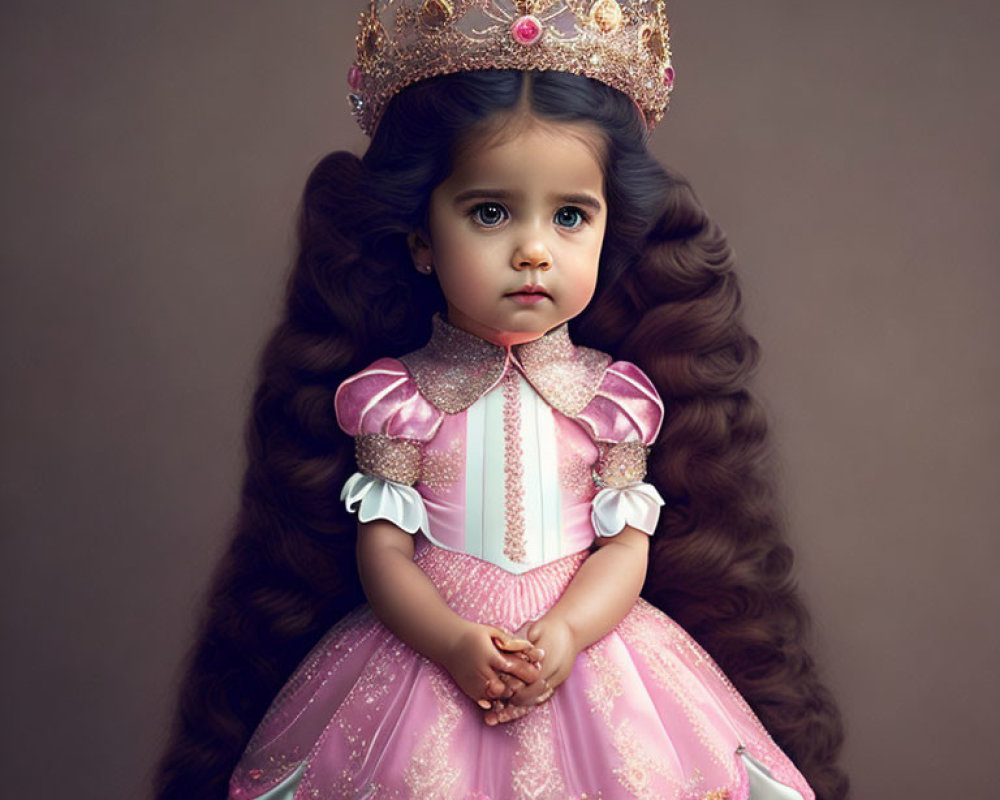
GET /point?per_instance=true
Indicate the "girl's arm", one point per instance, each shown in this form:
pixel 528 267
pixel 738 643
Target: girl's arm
pixel 409 605
pixel 601 593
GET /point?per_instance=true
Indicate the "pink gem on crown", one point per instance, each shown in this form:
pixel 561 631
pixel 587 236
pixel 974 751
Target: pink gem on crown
pixel 624 44
pixel 354 78
pixel 526 30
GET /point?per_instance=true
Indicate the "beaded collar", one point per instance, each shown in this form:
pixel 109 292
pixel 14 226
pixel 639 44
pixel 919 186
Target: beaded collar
pixel 455 368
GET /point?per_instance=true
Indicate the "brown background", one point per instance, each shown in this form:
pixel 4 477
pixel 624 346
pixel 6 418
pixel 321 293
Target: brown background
pixel 152 158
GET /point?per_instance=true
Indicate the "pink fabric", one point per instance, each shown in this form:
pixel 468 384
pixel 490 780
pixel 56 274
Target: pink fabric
pixel 626 407
pixel 645 712
pixel 445 502
pixel 384 399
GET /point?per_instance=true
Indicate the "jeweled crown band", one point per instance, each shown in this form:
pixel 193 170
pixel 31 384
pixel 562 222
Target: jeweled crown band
pixel 622 43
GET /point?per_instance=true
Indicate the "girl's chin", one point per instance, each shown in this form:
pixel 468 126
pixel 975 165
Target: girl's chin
pixel 523 325
pixel 507 337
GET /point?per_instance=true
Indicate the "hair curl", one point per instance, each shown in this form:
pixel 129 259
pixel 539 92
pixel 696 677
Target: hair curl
pixel 667 299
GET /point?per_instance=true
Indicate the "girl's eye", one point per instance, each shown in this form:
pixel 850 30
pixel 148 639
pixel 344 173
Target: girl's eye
pixel 489 215
pixel 570 217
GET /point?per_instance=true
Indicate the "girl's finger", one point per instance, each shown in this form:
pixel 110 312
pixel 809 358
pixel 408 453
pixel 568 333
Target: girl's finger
pixel 502 663
pixel 497 634
pixel 507 643
pixel 494 687
pixel 507 713
pixel 532 695
pixel 525 671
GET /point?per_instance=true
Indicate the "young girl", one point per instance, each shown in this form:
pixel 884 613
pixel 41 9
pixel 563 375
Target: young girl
pixel 494 317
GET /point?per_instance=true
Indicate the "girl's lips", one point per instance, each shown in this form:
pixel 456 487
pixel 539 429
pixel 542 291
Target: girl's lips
pixel 529 295
pixel 528 298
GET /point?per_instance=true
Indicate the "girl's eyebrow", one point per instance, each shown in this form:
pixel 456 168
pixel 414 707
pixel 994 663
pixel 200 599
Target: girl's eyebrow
pixel 586 199
pixel 579 199
pixel 482 194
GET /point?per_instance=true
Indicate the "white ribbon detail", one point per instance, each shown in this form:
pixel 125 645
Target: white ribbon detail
pixel 637 504
pixel 764 786
pixel 376 498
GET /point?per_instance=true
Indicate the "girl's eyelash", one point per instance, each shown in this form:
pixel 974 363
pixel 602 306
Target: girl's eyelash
pixel 474 212
pixel 583 214
pixel 581 218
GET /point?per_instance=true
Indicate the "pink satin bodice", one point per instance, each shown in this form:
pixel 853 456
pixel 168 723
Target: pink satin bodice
pixel 510 435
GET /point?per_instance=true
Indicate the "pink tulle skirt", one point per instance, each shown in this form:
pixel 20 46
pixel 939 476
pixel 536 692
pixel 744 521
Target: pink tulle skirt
pixel 644 714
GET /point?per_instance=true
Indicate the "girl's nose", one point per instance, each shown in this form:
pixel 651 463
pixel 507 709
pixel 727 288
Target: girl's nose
pixel 532 255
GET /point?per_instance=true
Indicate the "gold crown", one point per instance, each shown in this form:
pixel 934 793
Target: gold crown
pixel 623 43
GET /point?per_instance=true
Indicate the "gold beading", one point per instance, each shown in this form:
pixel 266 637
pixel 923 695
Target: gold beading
pixel 621 464
pixel 387 457
pixel 622 43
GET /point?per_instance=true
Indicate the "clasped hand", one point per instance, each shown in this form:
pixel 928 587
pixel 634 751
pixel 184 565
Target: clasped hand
pixel 508 675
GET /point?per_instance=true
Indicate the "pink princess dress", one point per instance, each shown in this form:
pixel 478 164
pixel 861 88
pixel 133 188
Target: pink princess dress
pixel 505 464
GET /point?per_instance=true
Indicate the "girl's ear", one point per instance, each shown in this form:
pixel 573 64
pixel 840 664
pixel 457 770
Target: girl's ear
pixel 420 252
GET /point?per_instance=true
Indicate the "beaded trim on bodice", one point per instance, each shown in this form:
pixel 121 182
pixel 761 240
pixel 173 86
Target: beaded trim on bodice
pixel 455 368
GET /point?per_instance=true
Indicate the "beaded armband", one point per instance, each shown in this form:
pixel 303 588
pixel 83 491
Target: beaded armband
pixel 389 458
pixel 621 464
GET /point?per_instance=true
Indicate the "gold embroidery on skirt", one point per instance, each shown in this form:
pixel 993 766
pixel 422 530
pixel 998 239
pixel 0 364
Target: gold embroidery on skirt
pixel 536 774
pixel 370 690
pixel 608 681
pixel 645 633
pixel 639 766
pixel 430 773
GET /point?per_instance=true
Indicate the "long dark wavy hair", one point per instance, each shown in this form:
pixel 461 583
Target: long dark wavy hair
pixel 667 299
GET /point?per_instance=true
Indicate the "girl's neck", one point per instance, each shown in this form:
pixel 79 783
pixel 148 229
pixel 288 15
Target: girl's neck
pixel 504 339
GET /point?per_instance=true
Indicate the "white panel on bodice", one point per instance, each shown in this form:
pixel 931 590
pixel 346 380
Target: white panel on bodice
pixel 513 504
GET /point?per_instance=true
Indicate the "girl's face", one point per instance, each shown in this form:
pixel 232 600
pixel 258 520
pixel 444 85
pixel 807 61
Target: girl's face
pixel 515 231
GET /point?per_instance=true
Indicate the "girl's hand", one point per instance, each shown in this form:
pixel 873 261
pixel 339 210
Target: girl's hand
pixel 555 639
pixel 518 648
pixel 555 642
pixel 475 663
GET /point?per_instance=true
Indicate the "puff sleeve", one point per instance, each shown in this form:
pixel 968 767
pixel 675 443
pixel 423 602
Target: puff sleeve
pixel 390 421
pixel 624 419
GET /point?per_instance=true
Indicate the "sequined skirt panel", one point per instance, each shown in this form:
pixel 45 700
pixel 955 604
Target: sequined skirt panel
pixel 644 714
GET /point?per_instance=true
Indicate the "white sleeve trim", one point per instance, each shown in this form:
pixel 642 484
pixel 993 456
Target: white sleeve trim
pixel 376 498
pixel 637 504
